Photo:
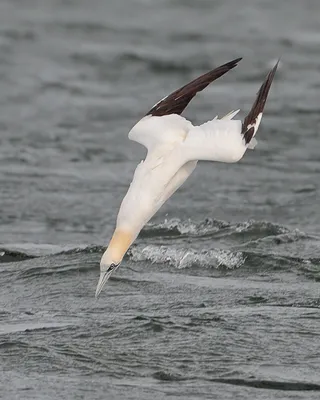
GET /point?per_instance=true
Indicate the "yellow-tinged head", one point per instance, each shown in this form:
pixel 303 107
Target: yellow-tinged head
pixel 112 257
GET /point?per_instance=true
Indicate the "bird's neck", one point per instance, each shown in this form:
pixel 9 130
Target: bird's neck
pixel 118 246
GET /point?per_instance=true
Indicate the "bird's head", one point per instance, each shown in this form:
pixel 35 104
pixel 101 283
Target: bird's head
pixel 112 257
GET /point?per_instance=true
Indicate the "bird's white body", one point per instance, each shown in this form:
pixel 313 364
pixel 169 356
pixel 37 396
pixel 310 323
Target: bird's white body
pixel 160 174
pixel 174 146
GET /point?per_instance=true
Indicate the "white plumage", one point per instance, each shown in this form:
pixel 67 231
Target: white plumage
pixel 174 146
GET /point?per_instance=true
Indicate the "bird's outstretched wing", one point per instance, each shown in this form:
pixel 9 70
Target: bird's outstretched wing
pixel 227 141
pixel 252 120
pixel 163 124
pixel 177 101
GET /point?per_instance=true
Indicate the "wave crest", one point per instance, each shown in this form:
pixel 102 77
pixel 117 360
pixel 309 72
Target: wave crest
pixel 177 227
pixel 210 226
pixel 185 258
pixel 7 255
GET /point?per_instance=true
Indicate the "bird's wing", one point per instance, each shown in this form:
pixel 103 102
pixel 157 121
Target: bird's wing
pixel 227 140
pixel 177 101
pixel 163 123
pixel 216 140
pixel 252 120
pixel 160 132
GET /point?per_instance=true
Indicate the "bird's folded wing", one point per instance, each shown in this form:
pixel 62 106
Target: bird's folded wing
pixel 216 140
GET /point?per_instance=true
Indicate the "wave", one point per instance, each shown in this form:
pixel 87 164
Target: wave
pixel 287 238
pixel 7 255
pixel 251 230
pixel 268 384
pixel 185 258
pixel 177 227
pixel 181 258
pixel 30 251
pixel 84 260
pixel 250 245
pixel 31 326
pixel 255 383
pixel 212 227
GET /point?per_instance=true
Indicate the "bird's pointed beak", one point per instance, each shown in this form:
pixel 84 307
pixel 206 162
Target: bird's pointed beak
pixel 104 276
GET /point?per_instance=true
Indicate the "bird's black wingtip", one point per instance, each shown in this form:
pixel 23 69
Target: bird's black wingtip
pixel 273 71
pixel 251 122
pixel 233 63
pixel 237 60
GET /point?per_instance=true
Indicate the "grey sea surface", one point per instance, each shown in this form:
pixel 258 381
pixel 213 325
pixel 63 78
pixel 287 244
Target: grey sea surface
pixel 219 296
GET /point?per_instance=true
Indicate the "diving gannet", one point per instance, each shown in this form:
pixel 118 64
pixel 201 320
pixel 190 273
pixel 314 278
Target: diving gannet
pixel 174 147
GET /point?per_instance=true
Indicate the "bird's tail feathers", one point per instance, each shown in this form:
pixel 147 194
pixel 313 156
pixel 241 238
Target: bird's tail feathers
pixel 228 116
pixel 231 114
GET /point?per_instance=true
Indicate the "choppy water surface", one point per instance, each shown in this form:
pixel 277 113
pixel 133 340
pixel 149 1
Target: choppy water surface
pixel 219 296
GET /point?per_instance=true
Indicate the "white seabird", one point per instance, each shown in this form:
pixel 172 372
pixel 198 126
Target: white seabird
pixel 174 147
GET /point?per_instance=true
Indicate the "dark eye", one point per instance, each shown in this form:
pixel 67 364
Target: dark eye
pixel 112 267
